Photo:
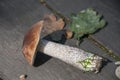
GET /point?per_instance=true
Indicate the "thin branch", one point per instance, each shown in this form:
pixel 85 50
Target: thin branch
pixel 55 11
pixel 104 48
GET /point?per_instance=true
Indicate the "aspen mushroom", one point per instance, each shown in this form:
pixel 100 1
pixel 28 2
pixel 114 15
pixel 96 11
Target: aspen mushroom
pixel 79 58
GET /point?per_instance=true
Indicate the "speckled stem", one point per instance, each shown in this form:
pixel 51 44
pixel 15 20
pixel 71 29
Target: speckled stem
pixel 71 55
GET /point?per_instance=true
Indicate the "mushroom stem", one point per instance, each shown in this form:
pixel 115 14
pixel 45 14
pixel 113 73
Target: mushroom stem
pixel 79 58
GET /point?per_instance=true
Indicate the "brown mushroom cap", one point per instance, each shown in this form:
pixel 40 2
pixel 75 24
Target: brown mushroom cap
pixel 31 41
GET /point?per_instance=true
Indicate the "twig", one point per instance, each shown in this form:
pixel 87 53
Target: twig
pixel 104 48
pixel 54 11
pixel 90 37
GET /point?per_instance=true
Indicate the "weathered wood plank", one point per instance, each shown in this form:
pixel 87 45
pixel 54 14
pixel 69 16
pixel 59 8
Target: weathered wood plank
pixel 16 16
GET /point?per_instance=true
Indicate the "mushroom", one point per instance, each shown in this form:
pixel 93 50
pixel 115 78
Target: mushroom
pixel 22 77
pixel 79 58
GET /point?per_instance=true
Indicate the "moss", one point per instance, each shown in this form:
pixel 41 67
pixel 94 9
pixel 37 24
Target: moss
pixel 85 63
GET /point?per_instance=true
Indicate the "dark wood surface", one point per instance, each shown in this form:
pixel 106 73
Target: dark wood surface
pixel 16 17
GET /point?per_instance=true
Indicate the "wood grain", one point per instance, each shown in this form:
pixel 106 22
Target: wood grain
pixel 16 17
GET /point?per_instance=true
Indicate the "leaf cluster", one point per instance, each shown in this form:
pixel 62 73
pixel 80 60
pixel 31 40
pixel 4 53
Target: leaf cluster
pixel 86 22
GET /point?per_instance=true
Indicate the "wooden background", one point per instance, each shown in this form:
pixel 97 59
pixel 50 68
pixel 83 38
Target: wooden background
pixel 16 17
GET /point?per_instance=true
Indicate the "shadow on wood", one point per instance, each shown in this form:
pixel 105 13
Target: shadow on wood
pixel 1 79
pixel 40 59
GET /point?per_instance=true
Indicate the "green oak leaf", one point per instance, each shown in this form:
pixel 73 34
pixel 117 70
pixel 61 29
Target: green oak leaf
pixel 86 22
